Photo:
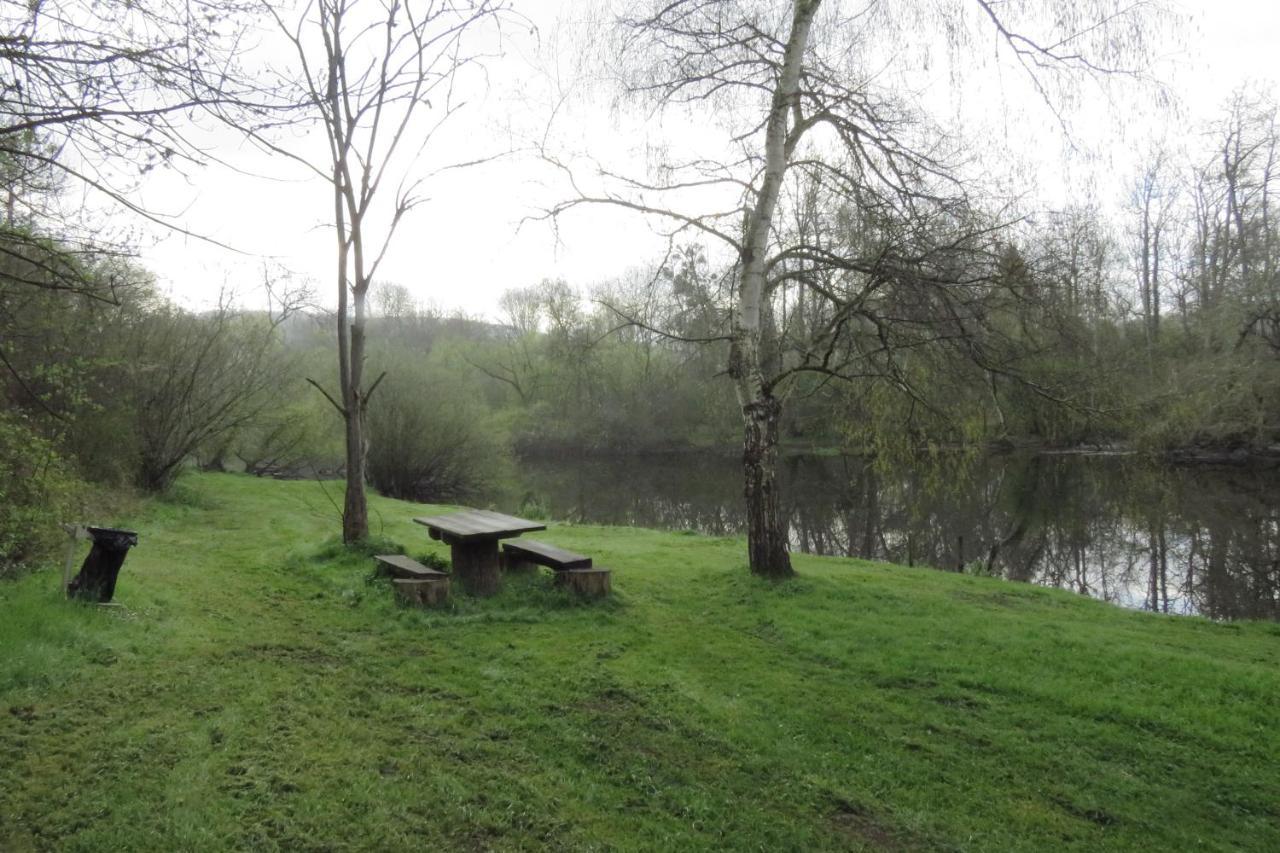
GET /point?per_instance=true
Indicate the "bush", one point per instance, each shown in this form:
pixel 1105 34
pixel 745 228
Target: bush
pixel 296 438
pixel 37 493
pixel 428 443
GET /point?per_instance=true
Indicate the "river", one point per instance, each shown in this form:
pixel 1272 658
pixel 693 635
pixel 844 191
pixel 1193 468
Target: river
pixel 1183 540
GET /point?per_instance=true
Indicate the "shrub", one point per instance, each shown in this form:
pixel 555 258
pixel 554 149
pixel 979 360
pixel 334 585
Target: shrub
pixel 37 493
pixel 299 437
pixel 427 446
pixel 433 561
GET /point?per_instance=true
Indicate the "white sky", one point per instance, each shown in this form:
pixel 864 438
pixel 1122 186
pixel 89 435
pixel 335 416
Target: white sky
pixel 467 245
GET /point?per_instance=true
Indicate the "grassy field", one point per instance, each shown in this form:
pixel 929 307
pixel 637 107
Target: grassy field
pixel 259 692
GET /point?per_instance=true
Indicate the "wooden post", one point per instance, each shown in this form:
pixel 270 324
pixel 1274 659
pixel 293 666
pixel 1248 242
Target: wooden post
pixel 475 564
pixel 75 533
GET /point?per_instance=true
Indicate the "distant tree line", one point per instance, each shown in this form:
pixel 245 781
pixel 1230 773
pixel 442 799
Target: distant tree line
pixel 856 295
pixel 1160 330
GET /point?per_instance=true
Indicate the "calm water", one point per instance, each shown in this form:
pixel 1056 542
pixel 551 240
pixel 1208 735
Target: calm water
pixel 1176 540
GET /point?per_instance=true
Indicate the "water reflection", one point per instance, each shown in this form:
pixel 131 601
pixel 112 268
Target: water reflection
pixel 1176 540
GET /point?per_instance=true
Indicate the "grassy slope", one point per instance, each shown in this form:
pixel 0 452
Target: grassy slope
pixel 260 693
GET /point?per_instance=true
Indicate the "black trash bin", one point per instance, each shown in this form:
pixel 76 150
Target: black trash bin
pixel 97 578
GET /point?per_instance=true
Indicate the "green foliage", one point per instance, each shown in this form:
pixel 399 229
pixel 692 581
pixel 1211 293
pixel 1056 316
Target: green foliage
pixel 38 492
pixel 192 380
pixel 131 386
pixel 433 560
pixel 334 549
pixel 572 377
pixel 531 506
pixel 429 440
pixel 1207 396
pixel 298 434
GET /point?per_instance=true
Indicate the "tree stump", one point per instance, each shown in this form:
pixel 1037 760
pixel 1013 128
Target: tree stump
pixel 590 583
pixel 423 593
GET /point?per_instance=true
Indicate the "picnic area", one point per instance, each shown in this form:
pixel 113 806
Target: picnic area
pixel 261 688
pixel 473 536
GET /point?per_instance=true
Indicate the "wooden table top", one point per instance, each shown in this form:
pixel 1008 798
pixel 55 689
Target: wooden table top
pixel 472 525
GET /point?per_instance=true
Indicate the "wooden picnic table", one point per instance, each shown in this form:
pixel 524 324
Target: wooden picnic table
pixel 473 536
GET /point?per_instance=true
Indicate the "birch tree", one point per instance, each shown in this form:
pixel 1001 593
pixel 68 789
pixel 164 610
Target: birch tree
pixel 846 193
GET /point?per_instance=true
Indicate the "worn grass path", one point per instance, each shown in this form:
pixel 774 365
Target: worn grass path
pixel 260 694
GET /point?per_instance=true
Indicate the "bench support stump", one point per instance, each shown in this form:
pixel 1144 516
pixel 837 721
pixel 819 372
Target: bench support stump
pixel 423 593
pixel 476 566
pixel 590 583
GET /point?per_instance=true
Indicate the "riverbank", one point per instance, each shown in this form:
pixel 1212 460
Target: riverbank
pixel 258 692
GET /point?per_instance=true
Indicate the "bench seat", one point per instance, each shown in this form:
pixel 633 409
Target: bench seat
pixel 404 568
pixel 529 551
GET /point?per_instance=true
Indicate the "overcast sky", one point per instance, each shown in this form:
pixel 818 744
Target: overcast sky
pixel 468 244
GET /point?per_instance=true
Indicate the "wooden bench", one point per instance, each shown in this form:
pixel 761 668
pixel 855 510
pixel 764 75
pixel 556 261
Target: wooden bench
pixel 405 568
pixel 414 583
pixel 572 570
pixel 526 553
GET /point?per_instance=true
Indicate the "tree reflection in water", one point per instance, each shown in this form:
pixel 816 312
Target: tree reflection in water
pixel 1175 540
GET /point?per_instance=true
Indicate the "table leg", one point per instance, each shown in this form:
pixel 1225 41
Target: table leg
pixel 475 565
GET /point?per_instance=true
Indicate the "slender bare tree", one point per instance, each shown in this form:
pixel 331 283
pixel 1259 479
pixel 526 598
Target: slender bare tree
pixel 379 79
pixel 1152 201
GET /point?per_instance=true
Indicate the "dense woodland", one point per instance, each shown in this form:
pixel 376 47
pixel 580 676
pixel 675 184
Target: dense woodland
pixel 1148 316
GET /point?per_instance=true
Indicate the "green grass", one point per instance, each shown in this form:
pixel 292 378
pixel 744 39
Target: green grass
pixel 259 692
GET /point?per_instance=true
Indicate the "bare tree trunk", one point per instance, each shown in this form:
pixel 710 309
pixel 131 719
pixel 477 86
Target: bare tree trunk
pixel 766 528
pixel 355 507
pixel 347 218
pixel 1145 260
pixel 1164 568
pixel 1232 162
pixel 1155 287
pixel 871 506
pixel 1153 578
